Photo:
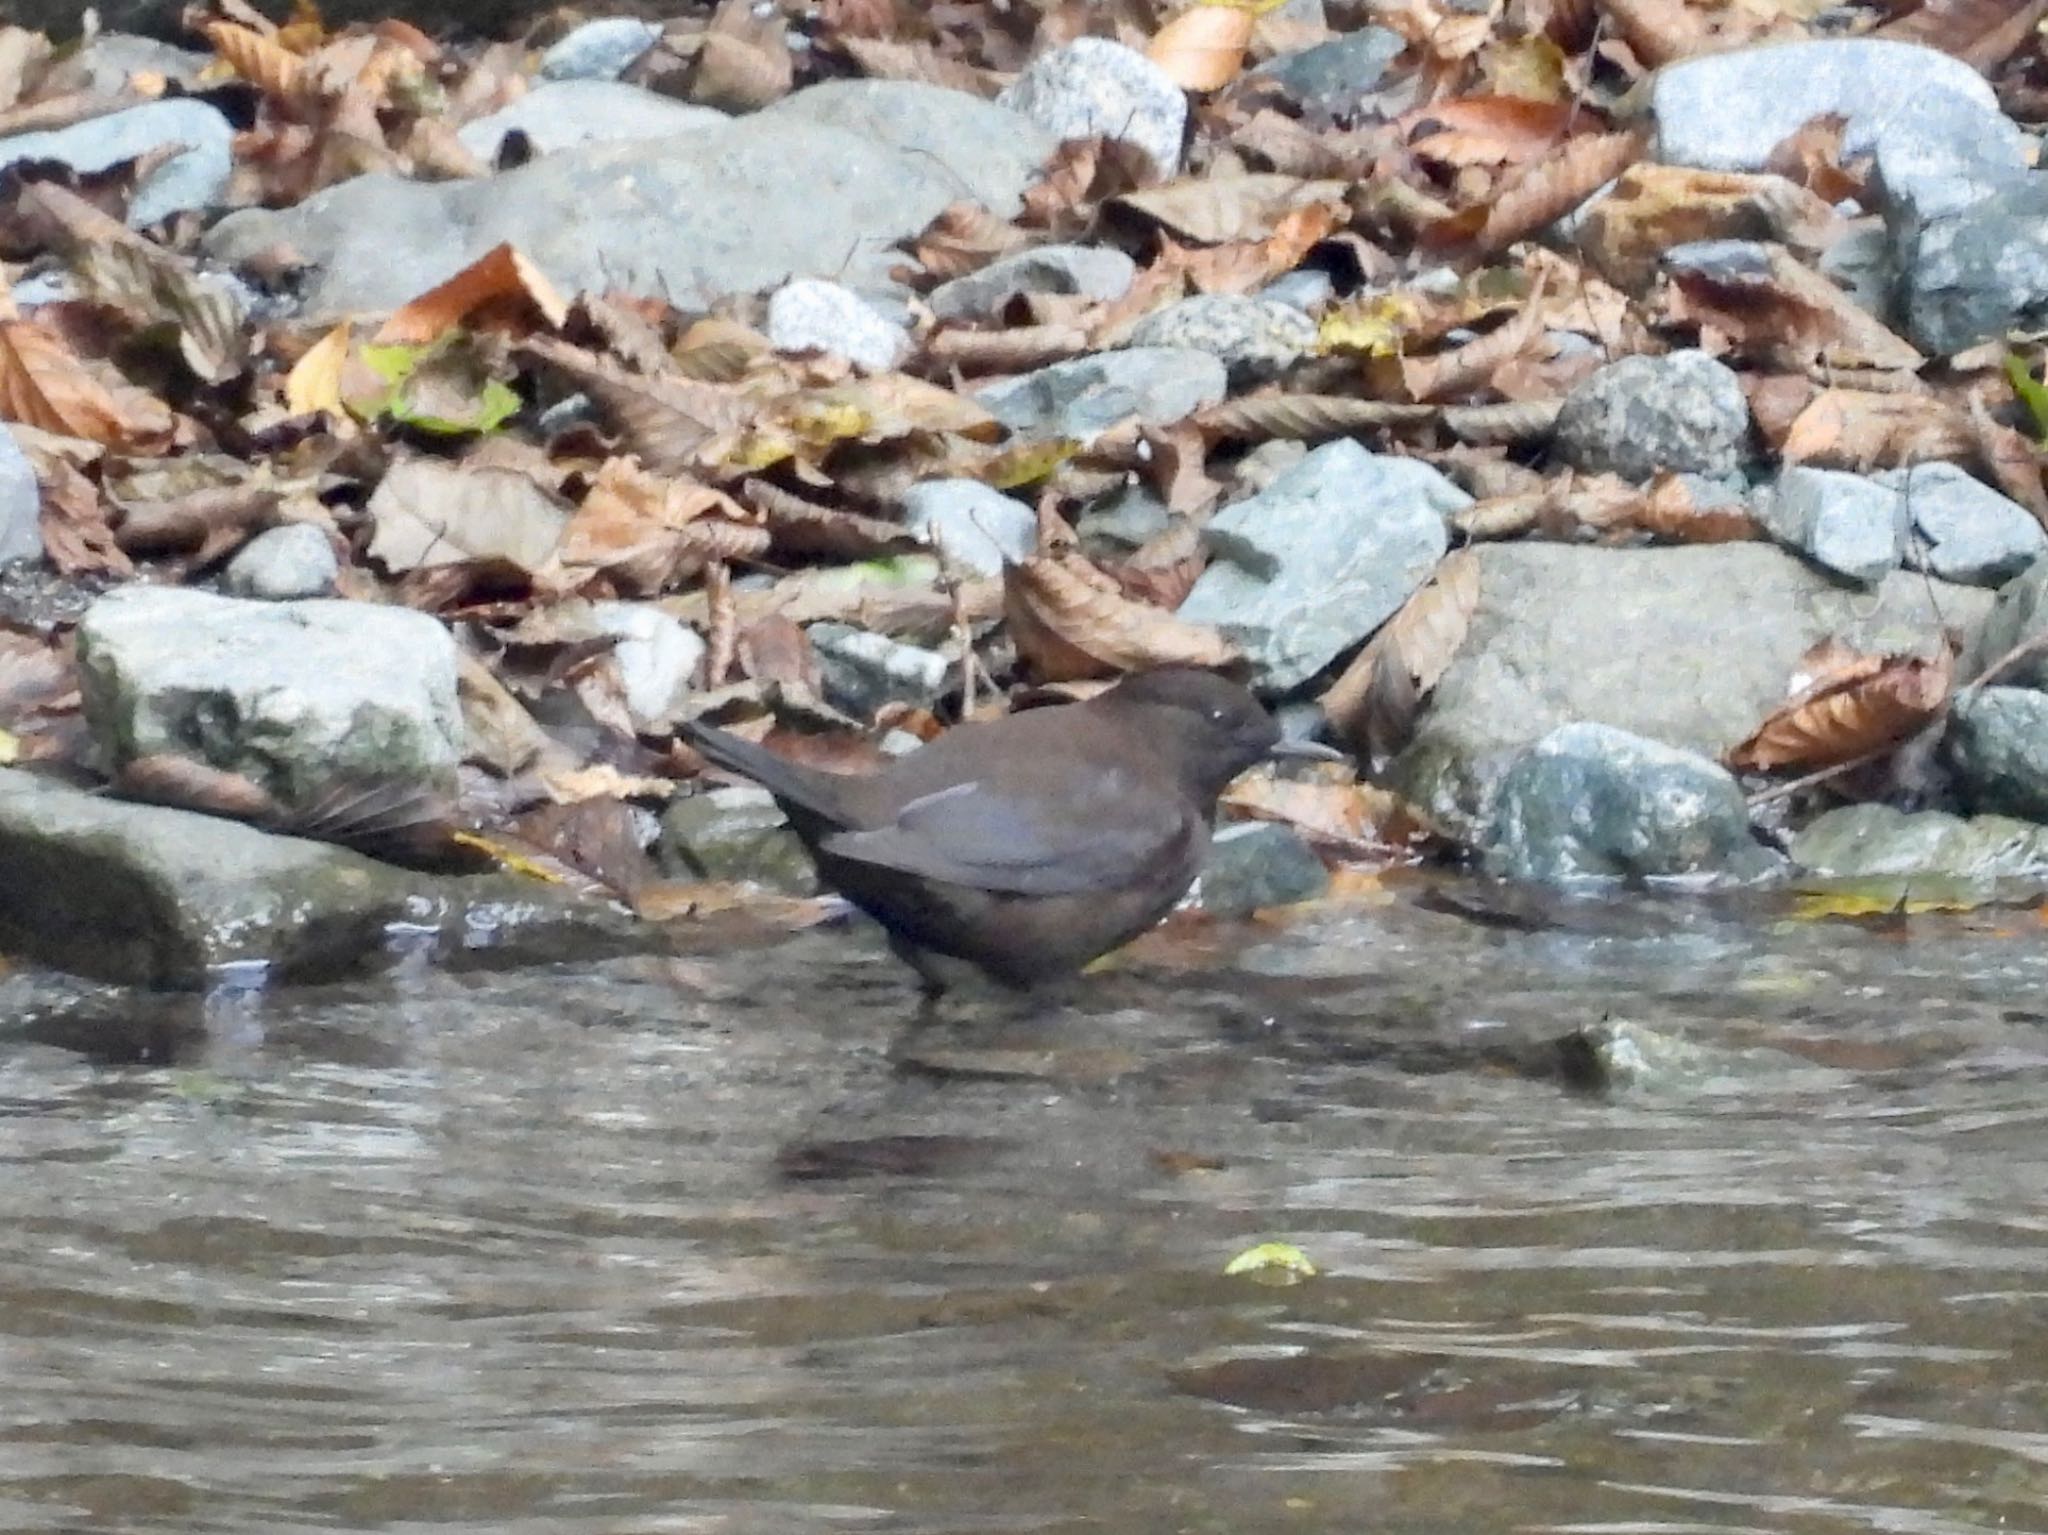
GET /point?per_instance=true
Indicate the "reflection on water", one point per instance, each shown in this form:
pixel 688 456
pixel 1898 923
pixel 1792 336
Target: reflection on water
pixel 720 1242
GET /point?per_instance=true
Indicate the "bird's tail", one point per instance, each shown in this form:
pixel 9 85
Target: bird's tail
pixel 794 784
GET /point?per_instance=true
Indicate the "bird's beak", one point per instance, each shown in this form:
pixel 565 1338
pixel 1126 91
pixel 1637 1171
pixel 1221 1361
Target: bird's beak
pixel 1306 751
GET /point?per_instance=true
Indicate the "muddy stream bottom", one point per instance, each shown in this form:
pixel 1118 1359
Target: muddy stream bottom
pixel 725 1240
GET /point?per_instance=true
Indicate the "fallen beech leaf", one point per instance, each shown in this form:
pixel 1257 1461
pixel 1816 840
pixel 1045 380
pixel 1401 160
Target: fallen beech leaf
pixel 1373 703
pixel 1670 511
pixel 1544 191
pixel 44 384
pixel 1860 430
pixel 1202 48
pixel 1069 621
pixel 314 383
pixel 1772 306
pixel 1217 210
pixel 1490 130
pixel 643 531
pixel 428 513
pixel 263 62
pixel 1655 207
pixel 963 238
pixel 499 288
pixel 78 538
pixel 1348 818
pixel 1855 707
pixel 882 58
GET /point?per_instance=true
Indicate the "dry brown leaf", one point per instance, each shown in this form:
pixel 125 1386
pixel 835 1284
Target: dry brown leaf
pixel 1811 157
pixel 262 61
pixel 1216 210
pixel 1546 190
pixel 1163 569
pixel 1069 621
pixel 1373 703
pixel 314 383
pixel 1655 207
pixel 1670 511
pixel 1473 365
pixel 1202 48
pixel 1773 307
pixel 1348 819
pixel 965 237
pixel 78 539
pixel 1306 417
pixel 1860 430
pixel 1016 350
pixel 1855 707
pixel 643 531
pixel 44 384
pixel 671 423
pixel 800 526
pixel 1491 130
pixel 891 59
pixel 501 289
pixel 1982 33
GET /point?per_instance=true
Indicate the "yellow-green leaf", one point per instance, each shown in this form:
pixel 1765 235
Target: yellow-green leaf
pixel 1273 1263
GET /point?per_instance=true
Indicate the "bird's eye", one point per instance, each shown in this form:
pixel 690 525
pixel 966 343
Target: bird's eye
pixel 1216 714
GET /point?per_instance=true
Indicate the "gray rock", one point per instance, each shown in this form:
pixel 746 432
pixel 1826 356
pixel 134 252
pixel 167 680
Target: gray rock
pixel 191 181
pixel 1123 520
pixel 302 697
pixel 1967 531
pixel 1997 743
pixel 599 50
pixel 1308 290
pixel 157 897
pixel 1331 79
pixel 1096 272
pixel 812 315
pixel 1617 1055
pixel 736 834
pixel 1845 523
pixel 1313 564
pixel 861 671
pixel 989 152
pixel 1256 864
pixel 564 113
pixel 2019 619
pixel 112 59
pixel 724 210
pixel 1254 338
pixel 1592 802
pixel 1644 414
pixel 1096 88
pixel 1688 646
pixel 972 525
pixel 1971 273
pixel 1865 841
pixel 657 657
pixel 21 533
pixel 1932 118
pixel 1084 398
pixel 280 564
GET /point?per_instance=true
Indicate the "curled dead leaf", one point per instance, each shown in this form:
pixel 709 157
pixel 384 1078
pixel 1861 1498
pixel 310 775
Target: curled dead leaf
pixel 1850 706
pixel 1070 622
pixel 1373 703
pixel 1202 48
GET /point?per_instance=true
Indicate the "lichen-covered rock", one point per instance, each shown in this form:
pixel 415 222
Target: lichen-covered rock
pixel 1096 88
pixel 1254 338
pixel 1084 398
pixel 1635 417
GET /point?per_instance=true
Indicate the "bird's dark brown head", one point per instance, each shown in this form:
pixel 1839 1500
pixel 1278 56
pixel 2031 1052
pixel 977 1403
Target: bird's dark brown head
pixel 1212 727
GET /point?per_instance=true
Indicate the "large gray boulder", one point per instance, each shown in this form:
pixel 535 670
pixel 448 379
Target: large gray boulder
pixel 719 210
pixel 158 897
pixel 304 698
pixel 1689 646
pixel 1314 563
pixel 560 114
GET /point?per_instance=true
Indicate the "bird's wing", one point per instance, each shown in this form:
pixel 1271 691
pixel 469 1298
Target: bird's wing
pixel 971 834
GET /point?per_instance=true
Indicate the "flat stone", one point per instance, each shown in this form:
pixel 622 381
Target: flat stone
pixel 1641 415
pixel 1967 531
pixel 281 564
pixel 1847 523
pixel 21 534
pixel 1588 801
pixel 1997 743
pixel 1084 398
pixel 1256 864
pixel 1314 563
pixel 722 210
pixel 657 657
pixel 1254 338
pixel 1096 88
pixel 146 895
pixel 1332 79
pixel 861 671
pixel 191 181
pixel 812 315
pixel 599 50
pixel 989 151
pixel 972 525
pixel 563 113
pixel 1091 271
pixel 1866 841
pixel 1972 272
pixel 305 698
pixel 1690 646
pixel 736 834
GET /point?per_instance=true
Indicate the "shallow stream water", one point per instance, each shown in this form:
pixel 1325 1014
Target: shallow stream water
pixel 725 1240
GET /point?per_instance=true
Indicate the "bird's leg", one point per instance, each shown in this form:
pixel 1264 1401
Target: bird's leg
pixel 931 984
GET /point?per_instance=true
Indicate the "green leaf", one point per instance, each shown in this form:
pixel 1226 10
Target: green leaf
pixel 1272 1263
pixel 2032 391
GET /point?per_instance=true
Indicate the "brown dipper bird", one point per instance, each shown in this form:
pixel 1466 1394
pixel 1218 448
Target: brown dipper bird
pixel 1030 844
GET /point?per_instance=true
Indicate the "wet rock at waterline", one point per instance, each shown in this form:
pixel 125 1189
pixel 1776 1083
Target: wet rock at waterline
pixel 1997 743
pixel 1863 841
pixel 303 698
pixel 1256 864
pixel 1689 646
pixel 1592 802
pixel 735 834
pixel 159 897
